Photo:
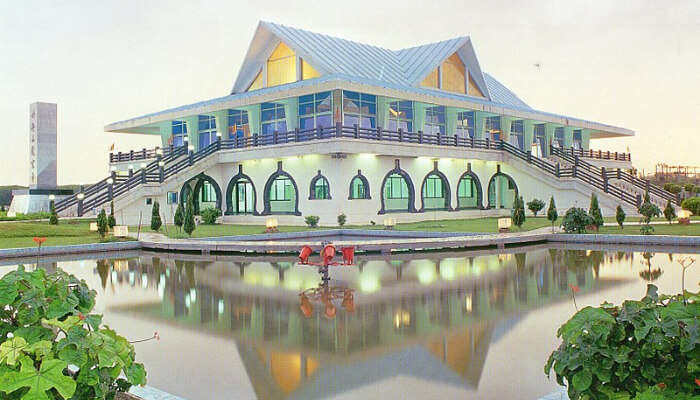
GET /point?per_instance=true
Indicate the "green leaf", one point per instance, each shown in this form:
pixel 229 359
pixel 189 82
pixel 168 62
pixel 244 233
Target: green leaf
pixel 50 376
pixel 593 318
pixel 582 380
pixel 8 292
pixel 41 349
pixel 59 307
pixel 73 355
pixel 11 349
pixel 34 334
pixel 136 374
pixel 94 320
pixel 65 325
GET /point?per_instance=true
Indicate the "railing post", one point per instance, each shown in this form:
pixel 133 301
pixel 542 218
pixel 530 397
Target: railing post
pixel 488 143
pixel 608 156
pixel 143 153
pixel 648 184
pixel 319 133
pixel 143 173
pixel 190 154
pixel 456 139
pixel 604 174
pixel 338 129
pixel 161 172
pixel 131 155
pixel 356 130
pixel 678 199
pixel 80 197
pixel 575 166
pixel 471 140
pixel 639 200
pixel 529 154
pixel 379 133
pixel 420 136
pixel 400 135
pixel 296 134
pixel 439 139
pixel 615 156
pixel 557 171
pixel 274 137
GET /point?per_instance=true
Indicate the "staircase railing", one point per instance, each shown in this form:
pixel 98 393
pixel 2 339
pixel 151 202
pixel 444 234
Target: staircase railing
pixel 178 159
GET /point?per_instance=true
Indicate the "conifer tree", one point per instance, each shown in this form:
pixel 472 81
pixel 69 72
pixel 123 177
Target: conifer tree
pixel 53 219
pixel 669 212
pixel 552 214
pixel 594 212
pixel 518 211
pixel 111 221
pixel 102 226
pixel 188 224
pixel 620 216
pixel 155 217
pixel 178 219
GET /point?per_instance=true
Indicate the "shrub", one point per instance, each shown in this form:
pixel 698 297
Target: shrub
pixel 155 217
pixel 47 325
pixel 690 188
pixel 692 204
pixel 179 217
pixel 594 212
pixel 111 221
pixel 622 351
pixel 311 220
pixel 518 211
pixel 102 226
pixel 188 224
pixel 53 219
pixel 673 188
pixel 669 212
pixel 648 211
pixel 210 214
pixel 620 216
pixel 342 219
pixel 536 205
pixel 576 220
pixel 552 214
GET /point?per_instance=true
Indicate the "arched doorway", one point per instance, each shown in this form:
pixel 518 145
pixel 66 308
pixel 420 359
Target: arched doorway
pixel 502 190
pixel 281 195
pixel 398 193
pixel 240 195
pixel 206 191
pixel 469 191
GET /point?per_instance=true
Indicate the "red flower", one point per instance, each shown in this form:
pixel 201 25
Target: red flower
pixel 697 381
pixel 81 316
pixel 39 240
pixel 661 385
pixel 574 288
pixel 156 335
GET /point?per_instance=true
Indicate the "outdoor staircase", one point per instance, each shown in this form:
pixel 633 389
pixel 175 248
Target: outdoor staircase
pixel 616 183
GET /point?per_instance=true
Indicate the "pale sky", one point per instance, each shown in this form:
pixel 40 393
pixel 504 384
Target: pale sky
pixel 633 64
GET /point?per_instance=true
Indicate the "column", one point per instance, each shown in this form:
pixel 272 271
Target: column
pixel 291 112
pixel 528 134
pixel 253 118
pixel 193 131
pixel 585 139
pixel 419 115
pixel 221 118
pixel 506 123
pixel 166 131
pixel 479 124
pixel 450 120
pixel 568 137
pixel 383 111
pixel 548 137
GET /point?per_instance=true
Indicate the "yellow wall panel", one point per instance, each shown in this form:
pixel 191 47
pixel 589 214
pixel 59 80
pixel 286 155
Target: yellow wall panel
pixel 307 71
pixel 281 66
pixel 257 83
pixel 473 89
pixel 431 80
pixel 453 75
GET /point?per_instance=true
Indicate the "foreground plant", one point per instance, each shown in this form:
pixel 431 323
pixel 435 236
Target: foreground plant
pixel 53 348
pixel 642 348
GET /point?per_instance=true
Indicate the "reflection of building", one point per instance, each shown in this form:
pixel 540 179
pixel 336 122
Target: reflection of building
pixel 315 125
pixel 434 320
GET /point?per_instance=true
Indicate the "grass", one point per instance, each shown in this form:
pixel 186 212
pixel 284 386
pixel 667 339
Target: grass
pixel 457 225
pixel 24 217
pixel 21 234
pixel 637 219
pixel 660 229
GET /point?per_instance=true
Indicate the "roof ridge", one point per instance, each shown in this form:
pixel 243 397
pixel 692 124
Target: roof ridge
pixel 328 36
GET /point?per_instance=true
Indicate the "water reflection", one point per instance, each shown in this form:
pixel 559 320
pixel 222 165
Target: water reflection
pixel 440 311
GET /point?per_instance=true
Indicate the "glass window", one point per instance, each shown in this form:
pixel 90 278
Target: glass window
pixel 238 124
pixel 360 109
pixel 465 124
pixel 273 118
pixel 281 66
pixel 465 187
pixel 396 187
pixel 315 111
pixel 578 142
pixel 179 131
pixel 172 198
pixel 516 134
pixel 357 188
pixel 453 75
pixel 559 137
pixel 208 193
pixel 207 130
pixel 401 116
pixel 433 187
pixel 493 127
pixel 281 189
pixel 435 120
pixel 320 190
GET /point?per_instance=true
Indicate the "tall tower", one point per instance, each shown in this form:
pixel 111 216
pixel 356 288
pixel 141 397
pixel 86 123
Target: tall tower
pixel 42 145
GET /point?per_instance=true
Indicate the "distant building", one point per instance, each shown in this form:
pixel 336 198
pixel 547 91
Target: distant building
pixel 317 125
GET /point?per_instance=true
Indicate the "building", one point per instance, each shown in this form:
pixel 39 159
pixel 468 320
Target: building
pixel 316 125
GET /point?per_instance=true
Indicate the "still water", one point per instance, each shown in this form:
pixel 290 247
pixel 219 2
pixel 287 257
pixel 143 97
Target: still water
pixel 423 325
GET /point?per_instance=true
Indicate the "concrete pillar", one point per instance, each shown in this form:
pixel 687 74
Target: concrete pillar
pixel 419 116
pixel 528 134
pixel 479 124
pixel 166 131
pixel 506 123
pixel 291 112
pixel 383 111
pixel 253 118
pixel 450 120
pixel 193 130
pixel 568 137
pixel 549 137
pixel 585 139
pixel 221 118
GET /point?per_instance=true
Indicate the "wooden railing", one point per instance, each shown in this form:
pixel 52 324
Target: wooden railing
pixel 143 154
pixel 177 159
pixel 597 154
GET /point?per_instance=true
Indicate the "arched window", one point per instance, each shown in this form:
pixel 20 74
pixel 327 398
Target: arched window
pixel 468 191
pixel 434 192
pixel 502 191
pixel 240 195
pixel 319 188
pixel 398 192
pixel 281 195
pixel 359 187
pixel 206 192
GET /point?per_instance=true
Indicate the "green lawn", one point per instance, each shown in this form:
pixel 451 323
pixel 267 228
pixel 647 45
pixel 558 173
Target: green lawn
pixel 637 219
pixel 660 229
pixel 24 217
pixel 21 234
pixel 458 225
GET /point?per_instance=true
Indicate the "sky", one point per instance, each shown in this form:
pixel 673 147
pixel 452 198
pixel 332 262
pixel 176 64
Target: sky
pixel 633 64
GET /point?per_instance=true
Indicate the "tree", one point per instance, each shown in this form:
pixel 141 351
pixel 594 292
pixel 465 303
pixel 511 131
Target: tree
pixel 620 216
pixel 552 214
pixel 102 225
pixel 188 223
pixel 155 217
pixel 536 205
pixel 53 219
pixel 518 211
pixel 576 220
pixel 178 219
pixel 111 221
pixel 594 212
pixel 669 212
pixel 648 210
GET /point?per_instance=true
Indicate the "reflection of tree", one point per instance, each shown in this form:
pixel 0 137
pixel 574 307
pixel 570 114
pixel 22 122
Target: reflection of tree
pixel 649 274
pixel 103 267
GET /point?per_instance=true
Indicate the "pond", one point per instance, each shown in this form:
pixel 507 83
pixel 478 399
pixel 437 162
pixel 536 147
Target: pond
pixel 476 324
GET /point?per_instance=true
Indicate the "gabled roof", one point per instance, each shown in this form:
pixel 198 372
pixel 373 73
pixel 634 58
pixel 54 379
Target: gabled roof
pixel 330 55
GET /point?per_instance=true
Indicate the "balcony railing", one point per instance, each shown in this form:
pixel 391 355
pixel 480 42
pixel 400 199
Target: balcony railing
pixel 597 154
pixel 139 155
